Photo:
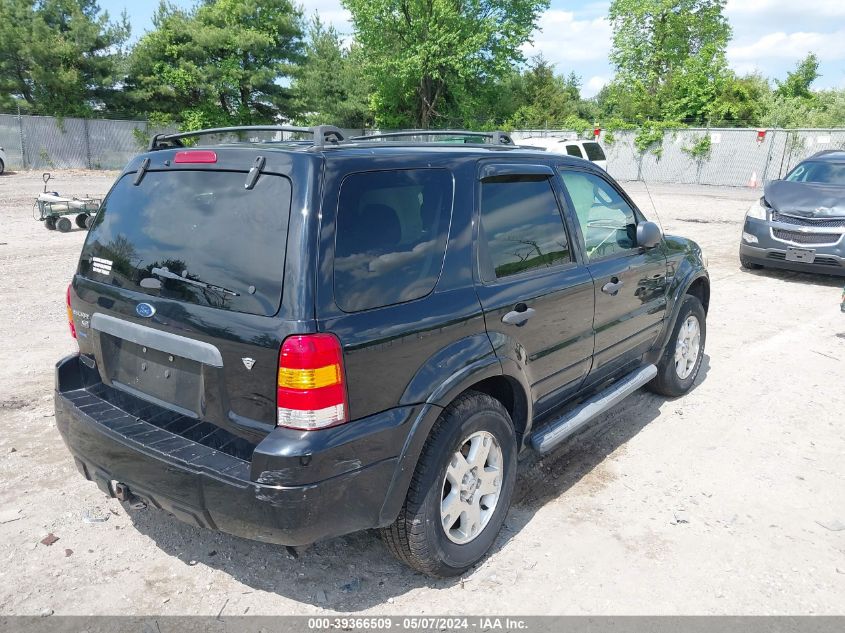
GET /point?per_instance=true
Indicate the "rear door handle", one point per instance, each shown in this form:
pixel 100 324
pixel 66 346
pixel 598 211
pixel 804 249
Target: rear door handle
pixel 613 286
pixel 518 317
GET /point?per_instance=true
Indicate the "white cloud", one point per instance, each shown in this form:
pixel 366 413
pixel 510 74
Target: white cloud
pixel 330 12
pixel 770 36
pixel 781 45
pixel 562 38
pixel 594 85
pixel 782 8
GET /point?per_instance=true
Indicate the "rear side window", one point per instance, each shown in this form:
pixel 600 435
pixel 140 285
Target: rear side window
pixel 224 244
pixel 391 236
pixel 522 226
pixel 594 151
pixel 574 150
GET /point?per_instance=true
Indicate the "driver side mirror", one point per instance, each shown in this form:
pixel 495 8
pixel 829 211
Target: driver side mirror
pixel 649 235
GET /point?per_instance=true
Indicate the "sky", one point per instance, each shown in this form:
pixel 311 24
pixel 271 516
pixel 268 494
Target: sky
pixel 769 36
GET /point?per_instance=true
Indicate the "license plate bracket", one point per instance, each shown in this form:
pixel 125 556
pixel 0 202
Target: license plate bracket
pixel 803 255
pixel 157 375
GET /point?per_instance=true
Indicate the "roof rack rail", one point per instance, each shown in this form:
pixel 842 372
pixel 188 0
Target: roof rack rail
pixel 496 138
pixel 321 134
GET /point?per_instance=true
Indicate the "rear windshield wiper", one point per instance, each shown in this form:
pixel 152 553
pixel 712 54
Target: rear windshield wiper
pixel 164 272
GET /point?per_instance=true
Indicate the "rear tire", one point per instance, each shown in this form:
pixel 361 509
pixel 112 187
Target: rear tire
pixel 89 222
pixel 64 225
pixel 81 219
pixel 679 366
pixel 748 264
pixel 434 530
pixel 2 167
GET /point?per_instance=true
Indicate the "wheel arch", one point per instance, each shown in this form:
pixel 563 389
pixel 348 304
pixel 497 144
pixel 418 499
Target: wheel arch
pixel 695 283
pixel 487 376
pixel 700 289
pixel 511 394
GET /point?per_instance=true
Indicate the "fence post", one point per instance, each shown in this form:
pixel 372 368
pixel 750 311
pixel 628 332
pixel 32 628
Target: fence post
pixel 20 135
pixel 87 143
pixel 783 156
pixel 768 157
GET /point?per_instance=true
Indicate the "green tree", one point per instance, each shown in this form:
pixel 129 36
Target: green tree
pixel 798 82
pixel 669 56
pixel 224 62
pixel 331 85
pixel 422 54
pixel 741 101
pixel 548 99
pixel 59 57
pixel 794 104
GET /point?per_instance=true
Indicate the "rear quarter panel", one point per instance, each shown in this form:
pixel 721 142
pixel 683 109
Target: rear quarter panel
pixel 395 355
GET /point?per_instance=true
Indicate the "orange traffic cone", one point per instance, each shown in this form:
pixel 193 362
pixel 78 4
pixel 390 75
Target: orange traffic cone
pixel 753 182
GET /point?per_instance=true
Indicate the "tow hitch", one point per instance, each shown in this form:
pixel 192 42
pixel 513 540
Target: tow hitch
pixel 122 493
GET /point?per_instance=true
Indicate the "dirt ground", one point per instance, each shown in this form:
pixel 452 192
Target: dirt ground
pixel 730 500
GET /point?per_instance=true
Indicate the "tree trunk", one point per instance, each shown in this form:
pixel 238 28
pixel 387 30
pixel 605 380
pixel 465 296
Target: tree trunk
pixel 245 103
pixel 429 93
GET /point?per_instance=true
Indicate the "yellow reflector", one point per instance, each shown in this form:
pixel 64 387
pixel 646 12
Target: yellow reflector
pixel 309 378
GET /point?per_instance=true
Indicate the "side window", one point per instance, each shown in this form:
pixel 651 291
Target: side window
pixel 391 236
pixel 608 223
pixel 594 151
pixel 522 227
pixel 574 150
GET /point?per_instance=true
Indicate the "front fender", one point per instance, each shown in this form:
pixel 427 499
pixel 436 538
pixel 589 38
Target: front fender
pixel 686 258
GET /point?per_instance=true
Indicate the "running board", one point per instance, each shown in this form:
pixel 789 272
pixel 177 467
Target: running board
pixel 555 432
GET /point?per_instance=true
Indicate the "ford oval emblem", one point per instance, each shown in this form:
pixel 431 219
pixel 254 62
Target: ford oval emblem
pixel 145 310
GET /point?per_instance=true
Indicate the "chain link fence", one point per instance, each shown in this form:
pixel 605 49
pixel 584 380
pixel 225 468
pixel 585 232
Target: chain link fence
pixel 41 142
pixel 736 157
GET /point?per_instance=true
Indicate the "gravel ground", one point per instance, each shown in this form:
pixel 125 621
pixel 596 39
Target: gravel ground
pixel 728 500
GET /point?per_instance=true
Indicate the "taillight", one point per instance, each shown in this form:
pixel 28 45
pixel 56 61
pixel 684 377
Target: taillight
pixel 195 156
pixel 311 391
pixel 70 315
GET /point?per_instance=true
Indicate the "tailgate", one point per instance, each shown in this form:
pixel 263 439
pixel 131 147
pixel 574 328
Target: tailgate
pixel 179 290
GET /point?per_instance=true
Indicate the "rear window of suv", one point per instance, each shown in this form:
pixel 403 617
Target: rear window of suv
pixel 194 236
pixel 594 151
pixel 391 236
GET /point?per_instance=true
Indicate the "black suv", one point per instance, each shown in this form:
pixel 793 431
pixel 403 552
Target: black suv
pixel 294 340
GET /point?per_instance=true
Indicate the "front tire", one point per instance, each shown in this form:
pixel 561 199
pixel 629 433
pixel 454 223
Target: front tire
pixel 461 490
pixel 749 264
pixel 679 366
pixel 81 219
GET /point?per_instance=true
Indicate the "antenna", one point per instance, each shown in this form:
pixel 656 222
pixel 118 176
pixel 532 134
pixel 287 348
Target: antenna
pixel 653 206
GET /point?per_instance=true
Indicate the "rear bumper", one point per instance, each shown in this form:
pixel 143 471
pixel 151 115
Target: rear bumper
pixel 771 252
pixel 215 490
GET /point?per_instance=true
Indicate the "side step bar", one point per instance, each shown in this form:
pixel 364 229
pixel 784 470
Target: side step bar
pixel 555 432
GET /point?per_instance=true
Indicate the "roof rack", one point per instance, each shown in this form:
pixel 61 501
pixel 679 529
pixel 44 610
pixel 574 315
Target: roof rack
pixel 321 134
pixel 496 138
